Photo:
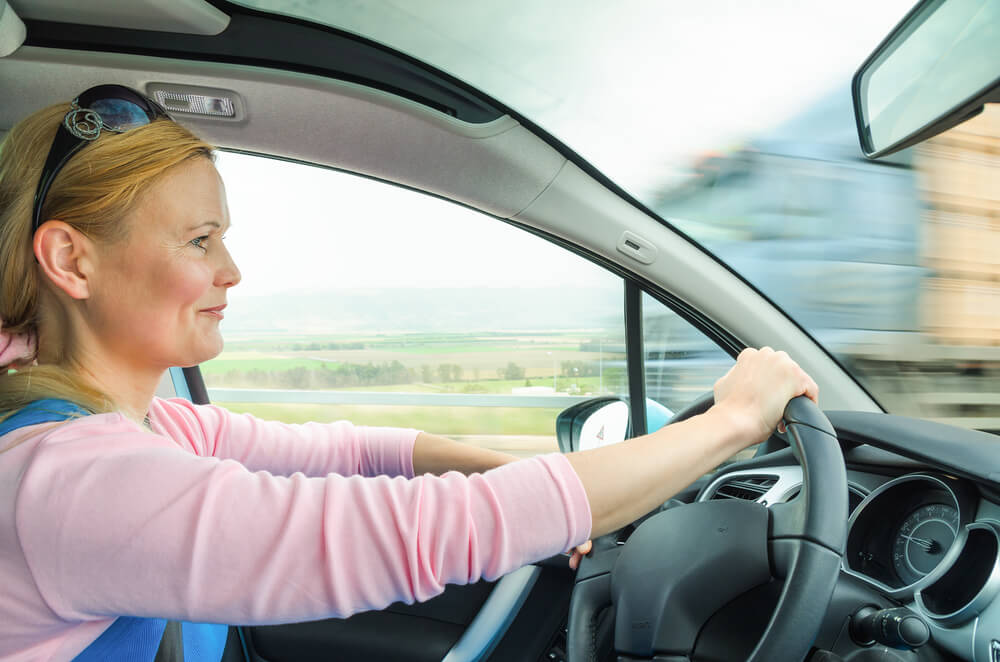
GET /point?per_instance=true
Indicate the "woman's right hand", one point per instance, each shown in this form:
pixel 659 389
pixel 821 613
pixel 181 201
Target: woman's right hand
pixel 757 388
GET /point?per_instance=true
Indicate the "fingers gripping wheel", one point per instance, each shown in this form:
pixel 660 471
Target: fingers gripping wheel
pixel 681 566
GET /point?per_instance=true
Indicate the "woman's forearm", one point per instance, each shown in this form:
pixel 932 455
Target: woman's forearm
pixel 436 455
pixel 627 480
pixel 623 482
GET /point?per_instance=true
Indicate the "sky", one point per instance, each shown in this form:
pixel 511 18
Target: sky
pixel 303 228
pixel 641 88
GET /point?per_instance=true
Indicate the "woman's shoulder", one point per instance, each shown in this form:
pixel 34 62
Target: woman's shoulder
pixel 93 429
pixel 178 415
pixel 43 428
pixel 67 447
pixel 174 424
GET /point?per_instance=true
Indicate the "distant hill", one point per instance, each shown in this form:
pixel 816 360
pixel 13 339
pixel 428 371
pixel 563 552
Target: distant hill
pixel 431 310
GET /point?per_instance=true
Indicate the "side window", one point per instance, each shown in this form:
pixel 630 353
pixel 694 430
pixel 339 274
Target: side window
pixel 681 364
pixel 372 303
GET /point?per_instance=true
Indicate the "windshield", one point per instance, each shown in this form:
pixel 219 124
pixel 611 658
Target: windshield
pixel 733 121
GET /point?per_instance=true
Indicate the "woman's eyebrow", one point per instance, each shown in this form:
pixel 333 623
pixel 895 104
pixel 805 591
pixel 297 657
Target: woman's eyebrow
pixel 214 224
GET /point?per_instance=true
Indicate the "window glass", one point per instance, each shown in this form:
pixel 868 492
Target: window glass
pixel 893 266
pixel 380 305
pixel 681 364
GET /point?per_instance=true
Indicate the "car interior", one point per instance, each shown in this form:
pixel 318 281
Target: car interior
pixel 855 535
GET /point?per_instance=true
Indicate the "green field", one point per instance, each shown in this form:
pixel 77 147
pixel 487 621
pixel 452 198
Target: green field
pixel 439 420
pixel 430 348
pixel 411 342
pixel 494 386
pixel 423 363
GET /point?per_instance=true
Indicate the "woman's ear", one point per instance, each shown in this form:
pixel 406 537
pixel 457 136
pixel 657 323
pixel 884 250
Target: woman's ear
pixel 66 257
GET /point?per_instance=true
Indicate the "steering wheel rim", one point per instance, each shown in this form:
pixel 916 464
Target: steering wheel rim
pixel 803 541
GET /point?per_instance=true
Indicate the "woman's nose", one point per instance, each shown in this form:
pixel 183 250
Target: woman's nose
pixel 228 274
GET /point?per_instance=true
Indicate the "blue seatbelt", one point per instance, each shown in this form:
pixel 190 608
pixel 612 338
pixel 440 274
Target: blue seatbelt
pixel 129 639
pixel 41 411
pixel 133 639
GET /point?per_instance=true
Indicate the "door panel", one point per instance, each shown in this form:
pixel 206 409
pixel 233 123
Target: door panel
pixel 425 632
pixel 419 632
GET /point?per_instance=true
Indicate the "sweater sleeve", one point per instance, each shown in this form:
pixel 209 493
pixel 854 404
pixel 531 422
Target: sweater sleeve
pixel 315 449
pixel 115 521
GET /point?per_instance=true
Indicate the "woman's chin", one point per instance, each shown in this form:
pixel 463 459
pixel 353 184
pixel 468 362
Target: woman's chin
pixel 203 354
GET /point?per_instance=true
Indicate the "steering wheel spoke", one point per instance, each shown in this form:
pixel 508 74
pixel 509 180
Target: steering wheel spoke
pixel 786 520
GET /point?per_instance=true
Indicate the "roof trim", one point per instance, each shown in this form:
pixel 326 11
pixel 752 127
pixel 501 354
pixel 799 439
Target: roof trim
pixel 259 39
pixel 183 16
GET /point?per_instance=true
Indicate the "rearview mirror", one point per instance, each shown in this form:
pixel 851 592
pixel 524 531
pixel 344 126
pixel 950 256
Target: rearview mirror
pixel 935 70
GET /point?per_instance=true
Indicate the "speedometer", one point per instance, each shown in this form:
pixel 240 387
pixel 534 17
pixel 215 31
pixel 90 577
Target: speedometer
pixel 922 540
pixel 901 535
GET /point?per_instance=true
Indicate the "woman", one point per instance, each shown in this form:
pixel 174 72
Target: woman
pixel 119 510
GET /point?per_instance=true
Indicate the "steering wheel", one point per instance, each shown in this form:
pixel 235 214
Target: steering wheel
pixel 682 565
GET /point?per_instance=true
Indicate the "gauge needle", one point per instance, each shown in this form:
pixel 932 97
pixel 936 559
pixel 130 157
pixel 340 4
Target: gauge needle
pixel 927 544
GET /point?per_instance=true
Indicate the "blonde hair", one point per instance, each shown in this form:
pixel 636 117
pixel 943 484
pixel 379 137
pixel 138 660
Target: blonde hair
pixel 94 192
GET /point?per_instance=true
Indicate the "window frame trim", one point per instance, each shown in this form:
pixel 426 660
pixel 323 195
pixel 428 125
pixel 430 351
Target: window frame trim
pixel 635 358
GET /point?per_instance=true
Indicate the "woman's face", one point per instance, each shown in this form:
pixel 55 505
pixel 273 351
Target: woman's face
pixel 158 296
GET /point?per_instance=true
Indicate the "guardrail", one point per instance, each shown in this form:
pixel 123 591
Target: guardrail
pixel 389 398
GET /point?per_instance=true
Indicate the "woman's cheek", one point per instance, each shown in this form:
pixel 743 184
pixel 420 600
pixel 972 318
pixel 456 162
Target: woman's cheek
pixel 189 285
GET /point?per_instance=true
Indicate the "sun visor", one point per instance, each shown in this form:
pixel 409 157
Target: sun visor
pixel 12 30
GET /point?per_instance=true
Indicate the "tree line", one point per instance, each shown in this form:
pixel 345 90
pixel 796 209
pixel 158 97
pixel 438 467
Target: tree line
pixel 333 375
pixel 345 375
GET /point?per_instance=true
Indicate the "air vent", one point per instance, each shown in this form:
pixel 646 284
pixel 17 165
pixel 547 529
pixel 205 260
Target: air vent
pixel 749 489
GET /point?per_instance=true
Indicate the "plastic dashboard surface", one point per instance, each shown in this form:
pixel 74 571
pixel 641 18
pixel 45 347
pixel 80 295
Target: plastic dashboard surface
pixel 924 530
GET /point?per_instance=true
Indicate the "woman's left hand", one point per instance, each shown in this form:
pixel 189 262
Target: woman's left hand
pixel 578 553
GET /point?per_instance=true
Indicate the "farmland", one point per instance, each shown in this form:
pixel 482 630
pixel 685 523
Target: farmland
pixel 464 363
pixel 568 363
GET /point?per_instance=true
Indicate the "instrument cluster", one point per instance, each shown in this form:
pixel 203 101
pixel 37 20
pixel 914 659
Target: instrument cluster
pixel 916 537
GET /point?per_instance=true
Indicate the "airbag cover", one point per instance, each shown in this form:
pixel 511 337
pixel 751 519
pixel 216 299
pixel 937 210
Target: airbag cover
pixel 680 567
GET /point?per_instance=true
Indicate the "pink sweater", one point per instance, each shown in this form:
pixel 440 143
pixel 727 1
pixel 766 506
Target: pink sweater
pixel 223 518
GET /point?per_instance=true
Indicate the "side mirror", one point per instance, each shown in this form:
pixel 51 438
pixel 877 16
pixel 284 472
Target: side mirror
pixel 12 30
pixel 936 69
pixel 602 422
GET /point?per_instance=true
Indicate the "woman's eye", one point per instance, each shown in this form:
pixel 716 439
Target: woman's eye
pixel 200 242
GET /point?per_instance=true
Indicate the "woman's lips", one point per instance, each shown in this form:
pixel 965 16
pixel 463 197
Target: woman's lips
pixel 216 311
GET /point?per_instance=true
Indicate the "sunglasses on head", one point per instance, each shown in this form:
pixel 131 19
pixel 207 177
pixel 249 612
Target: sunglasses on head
pixel 113 108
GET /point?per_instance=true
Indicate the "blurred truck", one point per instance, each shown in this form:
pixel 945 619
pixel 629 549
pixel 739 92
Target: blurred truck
pixel 893 265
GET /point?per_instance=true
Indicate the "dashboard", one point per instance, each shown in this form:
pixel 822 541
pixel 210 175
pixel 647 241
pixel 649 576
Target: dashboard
pixel 922 534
